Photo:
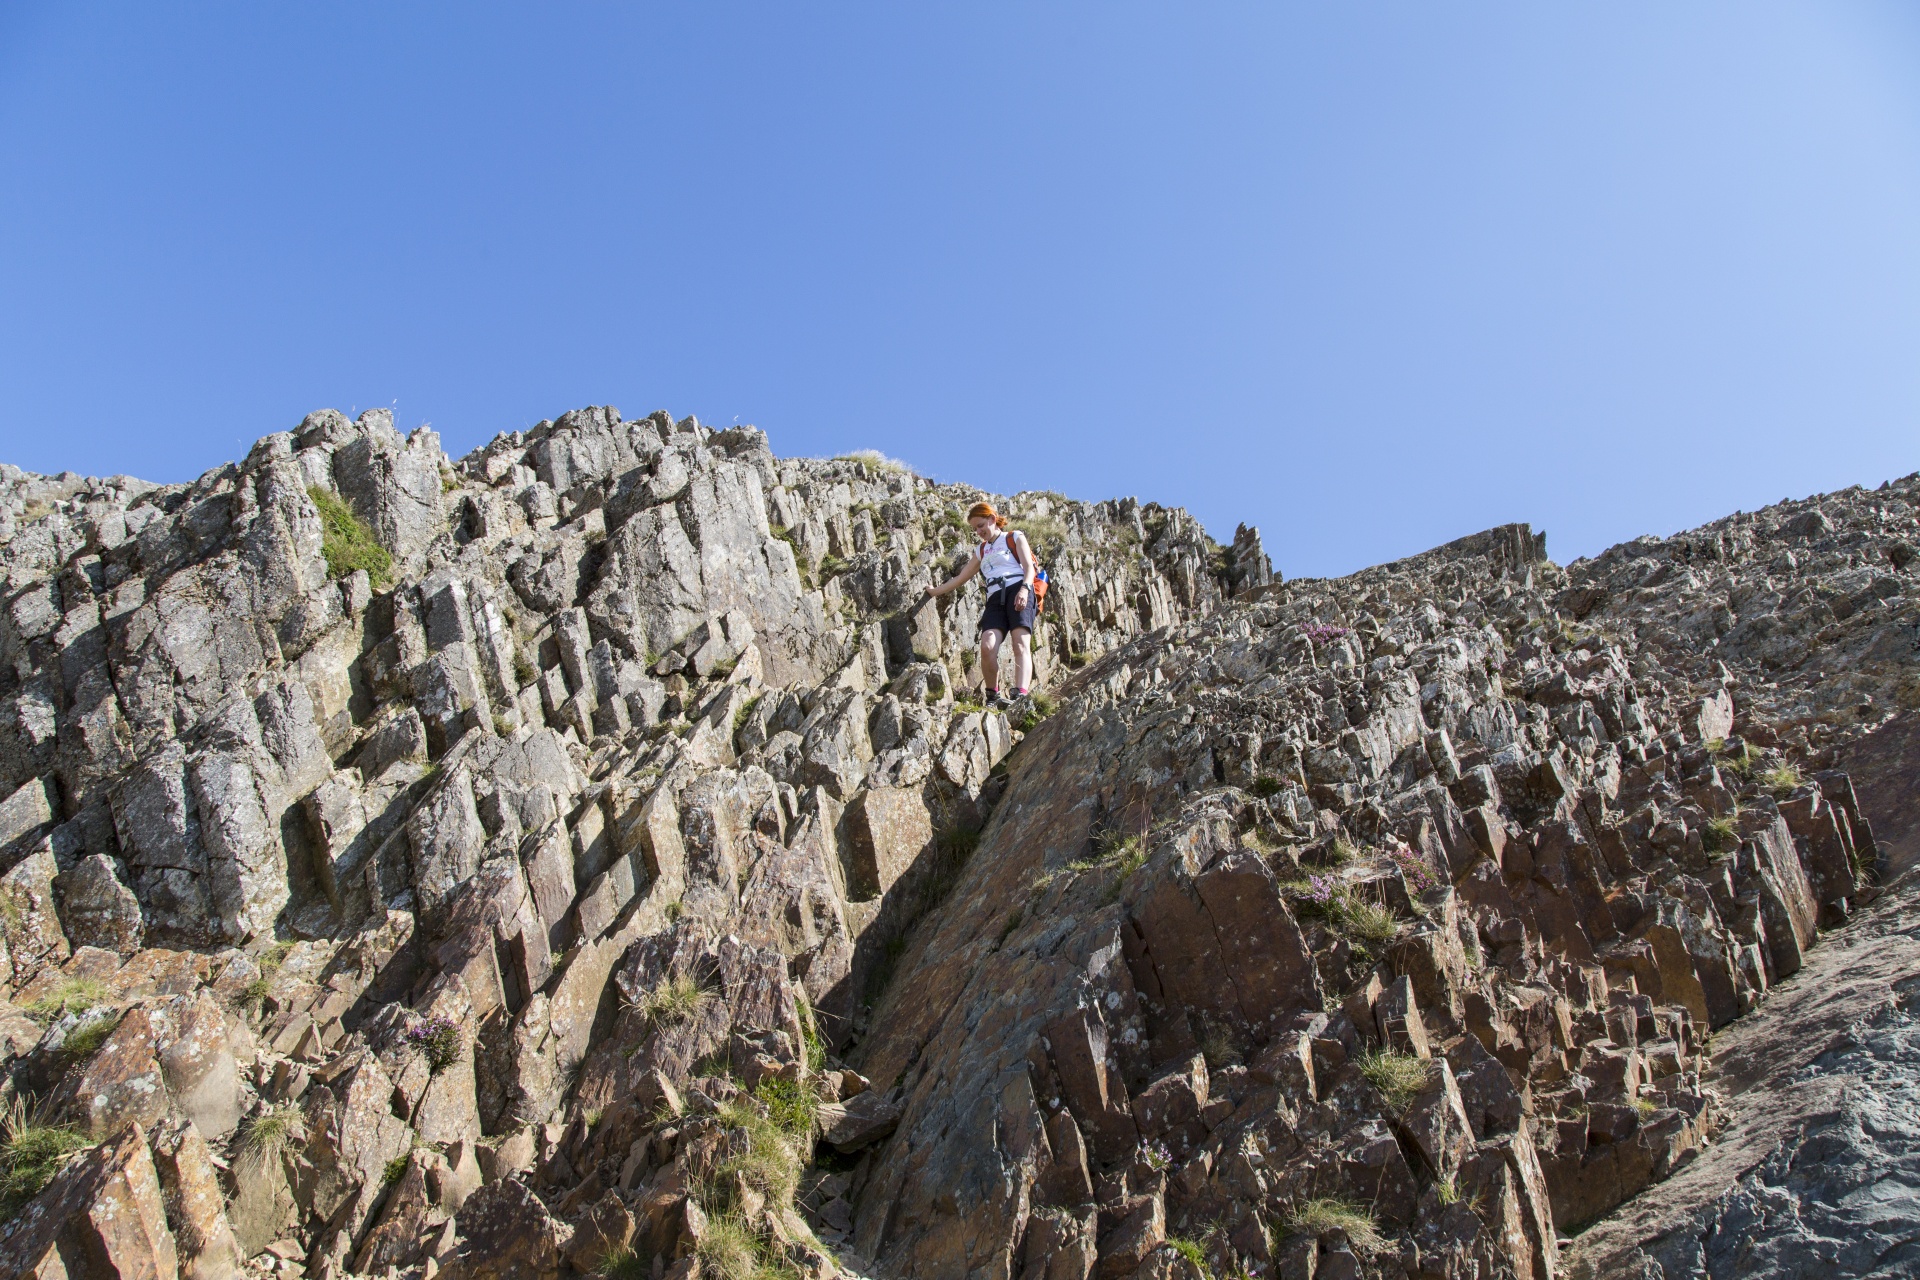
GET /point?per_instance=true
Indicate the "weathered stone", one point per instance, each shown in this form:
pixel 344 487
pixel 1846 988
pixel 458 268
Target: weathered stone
pixel 97 910
pixel 104 1214
pixel 195 1206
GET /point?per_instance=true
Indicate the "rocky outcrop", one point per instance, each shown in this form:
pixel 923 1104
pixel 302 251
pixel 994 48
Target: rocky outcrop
pixel 596 848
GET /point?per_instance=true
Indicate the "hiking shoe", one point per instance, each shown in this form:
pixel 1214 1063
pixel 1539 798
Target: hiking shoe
pixel 994 701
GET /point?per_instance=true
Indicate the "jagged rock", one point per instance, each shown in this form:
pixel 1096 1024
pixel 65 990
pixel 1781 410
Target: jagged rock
pixel 506 1234
pixel 646 790
pixel 196 1208
pixel 97 910
pixel 104 1214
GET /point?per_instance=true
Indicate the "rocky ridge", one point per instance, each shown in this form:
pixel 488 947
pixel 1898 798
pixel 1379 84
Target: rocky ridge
pixel 589 856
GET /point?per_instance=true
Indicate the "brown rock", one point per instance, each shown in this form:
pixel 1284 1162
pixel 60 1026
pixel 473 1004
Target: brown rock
pixel 195 1204
pixel 104 1215
pixel 861 1121
pixel 1139 1233
pixel 888 829
pixel 196 1062
pixel 505 1234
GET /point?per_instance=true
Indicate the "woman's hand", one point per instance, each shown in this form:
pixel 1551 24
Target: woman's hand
pixel 932 591
pixel 1020 598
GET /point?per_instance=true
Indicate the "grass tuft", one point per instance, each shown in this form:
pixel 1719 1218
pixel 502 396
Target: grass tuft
pixel 810 1032
pixel 1190 1250
pixel 32 1151
pixel 675 1002
pixel 347 542
pixel 74 995
pixel 1318 1217
pixel 264 1137
pixel 85 1040
pixel 1719 836
pixel 623 1264
pixel 1782 780
pixel 731 1251
pixel 873 463
pixel 1398 1076
pixel 1039 708
pixel 762 1154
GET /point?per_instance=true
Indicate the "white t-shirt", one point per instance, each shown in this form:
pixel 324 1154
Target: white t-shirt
pixel 998 563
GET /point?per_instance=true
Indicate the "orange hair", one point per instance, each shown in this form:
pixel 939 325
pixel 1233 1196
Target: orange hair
pixel 986 509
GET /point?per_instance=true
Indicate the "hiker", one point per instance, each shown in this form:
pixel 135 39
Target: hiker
pixel 1005 560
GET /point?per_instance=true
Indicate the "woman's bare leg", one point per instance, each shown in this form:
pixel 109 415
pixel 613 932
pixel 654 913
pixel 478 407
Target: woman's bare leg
pixel 990 659
pixel 1022 658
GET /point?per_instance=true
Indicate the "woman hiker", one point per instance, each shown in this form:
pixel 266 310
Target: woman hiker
pixel 1006 562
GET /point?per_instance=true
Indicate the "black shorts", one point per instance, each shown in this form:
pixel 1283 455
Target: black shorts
pixel 1001 616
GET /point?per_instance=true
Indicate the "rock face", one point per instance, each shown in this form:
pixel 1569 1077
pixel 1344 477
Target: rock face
pixel 634 868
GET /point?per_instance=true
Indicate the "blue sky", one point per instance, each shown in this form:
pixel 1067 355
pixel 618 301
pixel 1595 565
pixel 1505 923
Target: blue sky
pixel 1369 276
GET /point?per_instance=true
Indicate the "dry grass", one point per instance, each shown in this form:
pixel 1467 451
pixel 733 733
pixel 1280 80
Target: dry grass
pixel 1398 1076
pixel 873 463
pixel 32 1151
pixel 677 1001
pixel 1318 1217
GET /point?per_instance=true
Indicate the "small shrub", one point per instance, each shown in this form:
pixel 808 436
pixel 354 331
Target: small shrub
pixel 831 566
pixel 1398 1076
pixel 674 910
pixel 74 995
pixel 441 1040
pixel 32 1151
pixel 524 669
pixel 1077 658
pixel 1266 785
pixel 347 542
pixel 1318 1217
pixel 396 1169
pixel 1646 1107
pixel 678 1000
pixel 1158 1157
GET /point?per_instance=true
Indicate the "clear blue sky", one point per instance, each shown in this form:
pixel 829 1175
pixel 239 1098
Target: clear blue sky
pixel 1370 276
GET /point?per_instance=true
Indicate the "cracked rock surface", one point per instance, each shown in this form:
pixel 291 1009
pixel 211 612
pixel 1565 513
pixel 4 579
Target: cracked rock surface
pixel 594 856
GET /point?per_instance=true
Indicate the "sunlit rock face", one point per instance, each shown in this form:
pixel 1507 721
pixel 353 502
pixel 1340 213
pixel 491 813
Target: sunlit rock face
pixel 595 854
